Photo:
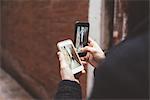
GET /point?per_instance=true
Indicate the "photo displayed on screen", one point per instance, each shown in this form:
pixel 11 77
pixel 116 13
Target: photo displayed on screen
pixel 70 56
pixel 81 37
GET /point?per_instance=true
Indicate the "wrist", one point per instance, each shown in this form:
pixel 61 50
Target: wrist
pixel 68 76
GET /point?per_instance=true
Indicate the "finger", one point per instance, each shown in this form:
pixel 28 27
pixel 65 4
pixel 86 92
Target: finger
pixel 88 49
pixel 93 43
pixel 90 39
pixel 62 60
pixel 82 58
pixel 84 62
pixel 85 58
pixel 90 44
pixel 60 55
pixel 58 52
pixel 83 71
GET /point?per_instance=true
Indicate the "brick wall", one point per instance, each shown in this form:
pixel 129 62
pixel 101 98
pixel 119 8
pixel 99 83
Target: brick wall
pixel 30 31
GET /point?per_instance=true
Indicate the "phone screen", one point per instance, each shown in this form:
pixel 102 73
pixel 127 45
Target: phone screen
pixel 70 56
pixel 81 37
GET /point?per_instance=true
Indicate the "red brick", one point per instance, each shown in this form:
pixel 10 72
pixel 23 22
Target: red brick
pixel 30 32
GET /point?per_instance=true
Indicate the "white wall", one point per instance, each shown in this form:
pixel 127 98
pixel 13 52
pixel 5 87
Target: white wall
pixel 95 24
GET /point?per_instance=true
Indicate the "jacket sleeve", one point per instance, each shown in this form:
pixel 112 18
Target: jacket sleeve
pixel 68 90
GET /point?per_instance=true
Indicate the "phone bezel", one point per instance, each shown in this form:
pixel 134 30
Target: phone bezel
pixel 81 23
pixel 67 42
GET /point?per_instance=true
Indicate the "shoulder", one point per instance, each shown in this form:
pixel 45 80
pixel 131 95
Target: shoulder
pixel 132 48
pixel 124 71
pixel 131 53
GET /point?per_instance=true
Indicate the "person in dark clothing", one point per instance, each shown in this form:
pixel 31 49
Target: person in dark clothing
pixel 123 73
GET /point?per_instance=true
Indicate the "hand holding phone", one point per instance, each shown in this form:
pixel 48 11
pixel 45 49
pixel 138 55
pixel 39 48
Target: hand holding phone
pixel 70 55
pixel 81 36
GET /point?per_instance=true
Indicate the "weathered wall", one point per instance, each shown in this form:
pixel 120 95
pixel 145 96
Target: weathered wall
pixel 30 31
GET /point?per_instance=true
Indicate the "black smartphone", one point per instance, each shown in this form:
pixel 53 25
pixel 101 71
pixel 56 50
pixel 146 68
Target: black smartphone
pixel 81 36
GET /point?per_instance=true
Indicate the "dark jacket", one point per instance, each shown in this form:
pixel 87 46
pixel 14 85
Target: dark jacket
pixel 123 74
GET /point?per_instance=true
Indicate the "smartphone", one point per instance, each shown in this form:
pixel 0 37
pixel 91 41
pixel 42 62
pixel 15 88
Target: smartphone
pixel 71 56
pixel 81 36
